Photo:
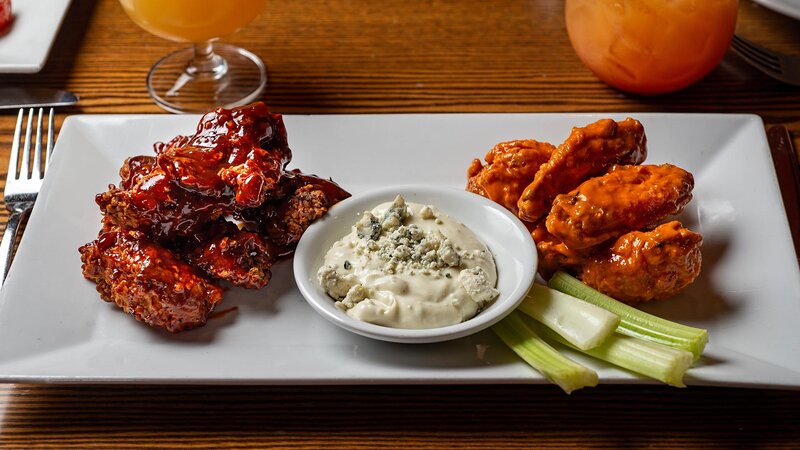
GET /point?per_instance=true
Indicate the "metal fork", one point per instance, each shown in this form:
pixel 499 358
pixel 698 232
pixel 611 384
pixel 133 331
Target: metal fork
pixel 780 66
pixel 22 186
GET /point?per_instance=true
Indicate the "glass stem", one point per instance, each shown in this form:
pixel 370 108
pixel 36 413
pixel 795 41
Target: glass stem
pixel 206 64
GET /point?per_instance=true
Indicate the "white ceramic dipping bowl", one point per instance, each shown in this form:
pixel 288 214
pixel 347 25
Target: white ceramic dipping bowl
pixel 506 237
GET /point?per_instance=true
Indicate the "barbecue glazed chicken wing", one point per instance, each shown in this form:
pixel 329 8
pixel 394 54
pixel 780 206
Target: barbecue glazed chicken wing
pixel 511 166
pixel 235 161
pixel 646 265
pixel 167 234
pixel 237 256
pixel 626 198
pixel 588 151
pixel 285 220
pixel 238 154
pixel 148 281
pixel 148 200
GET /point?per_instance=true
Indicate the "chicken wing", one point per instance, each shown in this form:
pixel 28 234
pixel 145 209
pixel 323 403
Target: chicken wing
pixel 553 254
pixel 237 152
pixel 587 152
pixel 284 221
pixel 510 167
pixel 626 198
pixel 167 230
pixel 237 256
pixel 147 280
pixel 235 161
pixel 147 200
pixel 641 266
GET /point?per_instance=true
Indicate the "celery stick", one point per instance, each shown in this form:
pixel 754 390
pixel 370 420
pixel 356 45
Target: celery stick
pixel 665 364
pixel 557 368
pixel 581 323
pixel 634 322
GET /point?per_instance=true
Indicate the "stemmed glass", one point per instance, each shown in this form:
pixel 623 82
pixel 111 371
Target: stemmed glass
pixel 208 74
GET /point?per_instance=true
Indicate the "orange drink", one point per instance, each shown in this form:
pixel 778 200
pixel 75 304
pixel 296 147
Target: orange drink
pixel 192 20
pixel 208 74
pixel 650 46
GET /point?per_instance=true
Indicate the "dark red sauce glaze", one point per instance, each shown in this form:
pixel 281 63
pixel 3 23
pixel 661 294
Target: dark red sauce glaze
pixel 166 226
pixel 5 14
pixel 240 153
pixel 240 257
pixel 148 281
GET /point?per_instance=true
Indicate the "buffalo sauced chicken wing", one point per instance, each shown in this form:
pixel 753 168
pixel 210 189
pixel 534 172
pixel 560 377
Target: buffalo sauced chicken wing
pixel 554 255
pixel 510 168
pixel 626 198
pixel 588 151
pixel 645 265
pixel 594 212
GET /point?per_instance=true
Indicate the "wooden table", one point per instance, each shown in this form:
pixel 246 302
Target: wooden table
pixel 358 56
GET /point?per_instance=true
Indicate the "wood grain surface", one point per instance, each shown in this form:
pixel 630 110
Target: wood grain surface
pixel 394 56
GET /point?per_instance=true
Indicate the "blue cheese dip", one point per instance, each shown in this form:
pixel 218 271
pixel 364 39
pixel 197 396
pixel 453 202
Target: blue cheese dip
pixel 407 265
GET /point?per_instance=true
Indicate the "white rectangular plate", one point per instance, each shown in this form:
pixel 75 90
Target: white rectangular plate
pixel 54 327
pixel 25 45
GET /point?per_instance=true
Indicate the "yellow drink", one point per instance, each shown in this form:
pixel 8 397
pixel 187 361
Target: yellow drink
pixel 192 20
pixel 650 46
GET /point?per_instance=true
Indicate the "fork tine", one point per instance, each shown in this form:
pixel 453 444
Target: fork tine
pixel 13 159
pixel 761 63
pixel 36 171
pixel 24 167
pixel 50 139
pixel 766 53
pixel 755 48
pixel 755 53
pixel 744 49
